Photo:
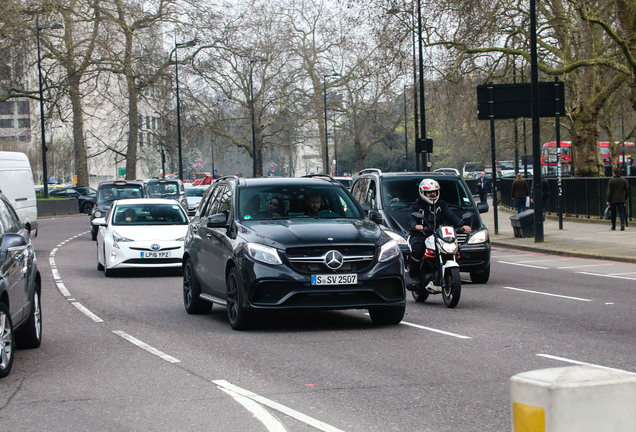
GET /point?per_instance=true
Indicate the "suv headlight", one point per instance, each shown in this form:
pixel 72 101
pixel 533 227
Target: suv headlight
pixel 395 236
pixel 389 250
pixel 480 236
pixel 264 254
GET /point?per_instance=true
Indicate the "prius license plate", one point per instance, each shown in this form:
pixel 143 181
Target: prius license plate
pixel 339 279
pixel 155 254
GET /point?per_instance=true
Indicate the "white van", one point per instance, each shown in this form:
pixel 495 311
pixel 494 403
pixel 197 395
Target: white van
pixel 16 183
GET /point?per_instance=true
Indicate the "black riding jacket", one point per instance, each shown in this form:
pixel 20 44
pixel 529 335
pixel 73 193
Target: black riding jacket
pixel 434 216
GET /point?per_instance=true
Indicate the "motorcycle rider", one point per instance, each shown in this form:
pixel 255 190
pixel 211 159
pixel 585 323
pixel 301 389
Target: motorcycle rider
pixel 435 213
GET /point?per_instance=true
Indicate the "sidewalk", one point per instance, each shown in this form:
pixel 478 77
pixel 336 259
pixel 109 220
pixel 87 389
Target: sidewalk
pixel 585 238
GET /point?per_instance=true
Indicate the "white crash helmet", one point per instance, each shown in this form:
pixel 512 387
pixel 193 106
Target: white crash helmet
pixel 429 185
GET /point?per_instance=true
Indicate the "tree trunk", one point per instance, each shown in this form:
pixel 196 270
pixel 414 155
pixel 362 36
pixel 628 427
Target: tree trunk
pixel 133 127
pixel 79 146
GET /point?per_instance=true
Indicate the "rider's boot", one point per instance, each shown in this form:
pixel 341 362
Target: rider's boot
pixel 413 278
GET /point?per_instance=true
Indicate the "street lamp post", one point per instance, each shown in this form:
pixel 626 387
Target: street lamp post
pixel 423 139
pixel 176 79
pixel 45 181
pixel 324 84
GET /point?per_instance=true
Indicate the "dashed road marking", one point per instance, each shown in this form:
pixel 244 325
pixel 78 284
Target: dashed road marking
pixel 548 294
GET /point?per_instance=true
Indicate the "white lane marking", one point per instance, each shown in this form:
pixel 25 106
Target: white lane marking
pixel 53 252
pixel 257 410
pixel 52 262
pixel 608 276
pixel 435 330
pixel 566 360
pixel 547 294
pixel 56 274
pixel 86 312
pixel 152 350
pixel 545 260
pixel 523 265
pixel 585 266
pixel 62 289
pixel 278 407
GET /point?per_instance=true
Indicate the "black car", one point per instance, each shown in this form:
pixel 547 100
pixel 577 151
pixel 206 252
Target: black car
pixel 109 191
pixel 20 313
pixel 252 246
pixel 387 197
pixel 84 195
pixel 168 188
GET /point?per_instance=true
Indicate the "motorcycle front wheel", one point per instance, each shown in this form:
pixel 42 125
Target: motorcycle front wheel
pixel 452 287
pixel 420 295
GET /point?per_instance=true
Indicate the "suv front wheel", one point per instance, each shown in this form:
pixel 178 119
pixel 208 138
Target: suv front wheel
pixel 239 317
pixel 387 315
pixel 7 345
pixel 480 276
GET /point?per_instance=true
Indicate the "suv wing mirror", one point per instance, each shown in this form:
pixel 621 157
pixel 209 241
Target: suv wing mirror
pixel 218 220
pixel 376 217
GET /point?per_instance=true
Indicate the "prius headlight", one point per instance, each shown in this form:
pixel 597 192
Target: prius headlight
pixel 264 254
pixel 480 236
pixel 119 239
pixel 389 250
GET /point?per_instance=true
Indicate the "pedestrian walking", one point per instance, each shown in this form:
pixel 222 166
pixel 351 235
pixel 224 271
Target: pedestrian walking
pixel 520 193
pixel 483 187
pixel 617 193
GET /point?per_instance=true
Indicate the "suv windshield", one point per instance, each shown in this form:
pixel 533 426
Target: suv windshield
pixel 274 202
pixel 406 189
pixel 163 189
pixel 108 194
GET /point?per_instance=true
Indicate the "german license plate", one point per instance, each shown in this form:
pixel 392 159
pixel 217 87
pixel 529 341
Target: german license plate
pixel 155 254
pixel 339 279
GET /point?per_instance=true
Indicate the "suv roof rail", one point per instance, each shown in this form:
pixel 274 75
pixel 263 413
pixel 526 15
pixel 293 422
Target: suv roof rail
pixel 228 177
pixel 370 170
pixel 321 175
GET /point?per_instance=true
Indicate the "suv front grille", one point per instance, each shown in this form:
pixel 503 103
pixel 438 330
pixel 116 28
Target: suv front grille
pixel 312 259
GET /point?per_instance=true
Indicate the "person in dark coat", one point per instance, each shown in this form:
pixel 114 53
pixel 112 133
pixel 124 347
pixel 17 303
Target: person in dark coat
pixel 617 193
pixel 520 192
pixel 483 187
pixel 435 213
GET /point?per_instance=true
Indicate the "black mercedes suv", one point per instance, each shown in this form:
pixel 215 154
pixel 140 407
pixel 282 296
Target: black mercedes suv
pixel 289 243
pixel 387 198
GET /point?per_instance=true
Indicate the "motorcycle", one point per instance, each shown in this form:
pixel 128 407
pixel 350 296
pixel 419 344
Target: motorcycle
pixel 440 256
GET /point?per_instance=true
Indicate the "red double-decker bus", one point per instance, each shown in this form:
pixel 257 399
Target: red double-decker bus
pixel 625 158
pixel 549 159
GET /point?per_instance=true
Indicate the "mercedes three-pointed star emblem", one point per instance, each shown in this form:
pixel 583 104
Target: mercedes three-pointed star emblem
pixel 333 260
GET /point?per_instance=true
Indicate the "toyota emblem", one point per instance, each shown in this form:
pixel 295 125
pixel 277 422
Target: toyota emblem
pixel 333 260
pixel 155 246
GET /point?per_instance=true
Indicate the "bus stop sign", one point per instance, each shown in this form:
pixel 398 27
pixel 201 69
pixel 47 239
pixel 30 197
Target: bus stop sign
pixel 510 101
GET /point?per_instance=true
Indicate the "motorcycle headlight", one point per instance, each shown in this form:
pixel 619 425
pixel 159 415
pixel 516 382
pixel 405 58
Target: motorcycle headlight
pixel 389 250
pixel 97 213
pixel 449 248
pixel 264 254
pixel 480 236
pixel 119 238
pixel 395 236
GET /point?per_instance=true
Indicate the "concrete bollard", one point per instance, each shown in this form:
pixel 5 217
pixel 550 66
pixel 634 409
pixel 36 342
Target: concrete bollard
pixel 573 398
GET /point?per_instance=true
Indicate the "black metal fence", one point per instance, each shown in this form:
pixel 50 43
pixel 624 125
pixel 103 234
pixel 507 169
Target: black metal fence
pixel 581 197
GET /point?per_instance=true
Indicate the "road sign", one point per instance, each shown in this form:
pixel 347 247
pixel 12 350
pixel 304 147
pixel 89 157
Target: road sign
pixel 509 101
